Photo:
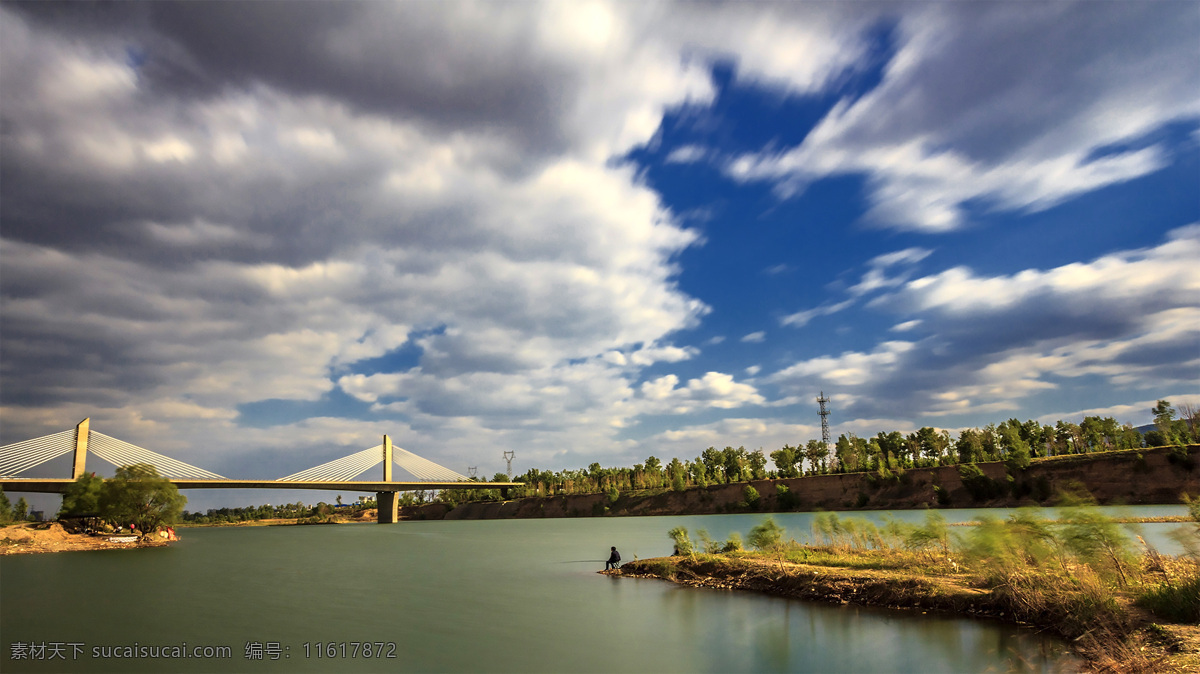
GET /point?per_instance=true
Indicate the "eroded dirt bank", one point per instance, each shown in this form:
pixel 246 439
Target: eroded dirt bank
pixel 1133 477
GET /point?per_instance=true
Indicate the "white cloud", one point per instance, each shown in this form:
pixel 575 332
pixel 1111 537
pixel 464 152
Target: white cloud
pixel 1137 413
pixel 686 154
pixel 1003 104
pixel 770 435
pixel 802 318
pixel 1130 318
pixel 714 390
pixel 755 337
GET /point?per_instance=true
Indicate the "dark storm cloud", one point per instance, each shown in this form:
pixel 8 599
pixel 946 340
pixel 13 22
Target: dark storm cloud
pixel 1009 72
pixel 411 61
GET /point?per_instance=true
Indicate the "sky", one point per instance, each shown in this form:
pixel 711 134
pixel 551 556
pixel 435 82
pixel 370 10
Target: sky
pixel 257 237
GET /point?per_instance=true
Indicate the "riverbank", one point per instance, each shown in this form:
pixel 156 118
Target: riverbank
pixel 1122 638
pixel 1156 475
pixel 36 538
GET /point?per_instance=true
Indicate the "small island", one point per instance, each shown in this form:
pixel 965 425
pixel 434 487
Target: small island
pixel 1119 608
pixel 136 508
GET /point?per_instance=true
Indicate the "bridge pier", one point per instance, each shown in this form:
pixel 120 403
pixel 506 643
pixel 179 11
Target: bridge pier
pixel 386 507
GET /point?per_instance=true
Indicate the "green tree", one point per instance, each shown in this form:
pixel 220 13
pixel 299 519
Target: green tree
pixel 82 496
pixel 785 461
pixel 758 464
pixel 817 453
pixel 843 449
pixel 969 446
pixel 892 446
pixel 1016 450
pixel 736 464
pixel 933 445
pixel 714 464
pixel 21 510
pixel 138 495
pixel 6 513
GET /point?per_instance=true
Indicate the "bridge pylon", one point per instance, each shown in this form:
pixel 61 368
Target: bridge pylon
pixel 81 449
pixel 387 509
pixel 387 459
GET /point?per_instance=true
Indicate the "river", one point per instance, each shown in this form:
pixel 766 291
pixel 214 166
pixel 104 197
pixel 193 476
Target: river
pixel 465 596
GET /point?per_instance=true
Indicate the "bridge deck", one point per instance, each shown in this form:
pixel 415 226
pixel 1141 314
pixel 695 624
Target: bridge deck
pixel 59 485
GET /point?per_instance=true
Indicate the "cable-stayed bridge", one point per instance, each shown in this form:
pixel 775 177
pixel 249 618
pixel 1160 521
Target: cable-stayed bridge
pixel 335 475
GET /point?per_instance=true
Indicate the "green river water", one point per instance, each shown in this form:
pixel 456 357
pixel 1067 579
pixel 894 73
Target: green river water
pixel 465 596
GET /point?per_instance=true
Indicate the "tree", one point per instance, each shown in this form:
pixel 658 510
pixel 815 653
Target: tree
pixel 892 445
pixel 678 474
pixel 758 464
pixel 21 510
pixel 736 464
pixel 82 496
pixel 969 446
pixel 785 461
pixel 714 464
pixel 138 495
pixel 931 443
pixel 817 453
pixel 6 513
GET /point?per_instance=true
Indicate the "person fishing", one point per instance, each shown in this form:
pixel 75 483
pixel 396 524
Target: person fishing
pixel 614 559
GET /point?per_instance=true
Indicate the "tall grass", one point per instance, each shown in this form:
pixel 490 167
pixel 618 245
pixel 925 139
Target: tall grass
pixel 1068 571
pixel 1175 596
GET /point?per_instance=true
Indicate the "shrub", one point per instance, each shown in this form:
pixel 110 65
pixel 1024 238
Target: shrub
pixel 1095 539
pixel 733 543
pixel 683 544
pixel 1180 456
pixel 785 498
pixel 707 543
pixel 942 496
pixel 980 486
pixel 750 496
pixel 766 535
pixel 1176 600
pixel 933 532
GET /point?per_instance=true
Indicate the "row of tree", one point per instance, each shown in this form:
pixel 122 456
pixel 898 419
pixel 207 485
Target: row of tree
pixel 1012 441
pixel 295 510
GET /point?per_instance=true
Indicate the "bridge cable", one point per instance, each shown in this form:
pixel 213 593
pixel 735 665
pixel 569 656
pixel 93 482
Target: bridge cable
pixel 20 456
pixel 121 453
pixel 424 469
pixel 339 470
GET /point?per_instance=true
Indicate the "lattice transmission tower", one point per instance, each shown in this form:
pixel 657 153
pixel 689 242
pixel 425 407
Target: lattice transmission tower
pixel 508 456
pixel 821 400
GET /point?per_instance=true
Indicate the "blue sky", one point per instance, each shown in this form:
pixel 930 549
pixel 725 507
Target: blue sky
pixel 258 237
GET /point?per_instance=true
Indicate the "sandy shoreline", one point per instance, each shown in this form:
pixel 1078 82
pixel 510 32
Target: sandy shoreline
pixel 36 538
